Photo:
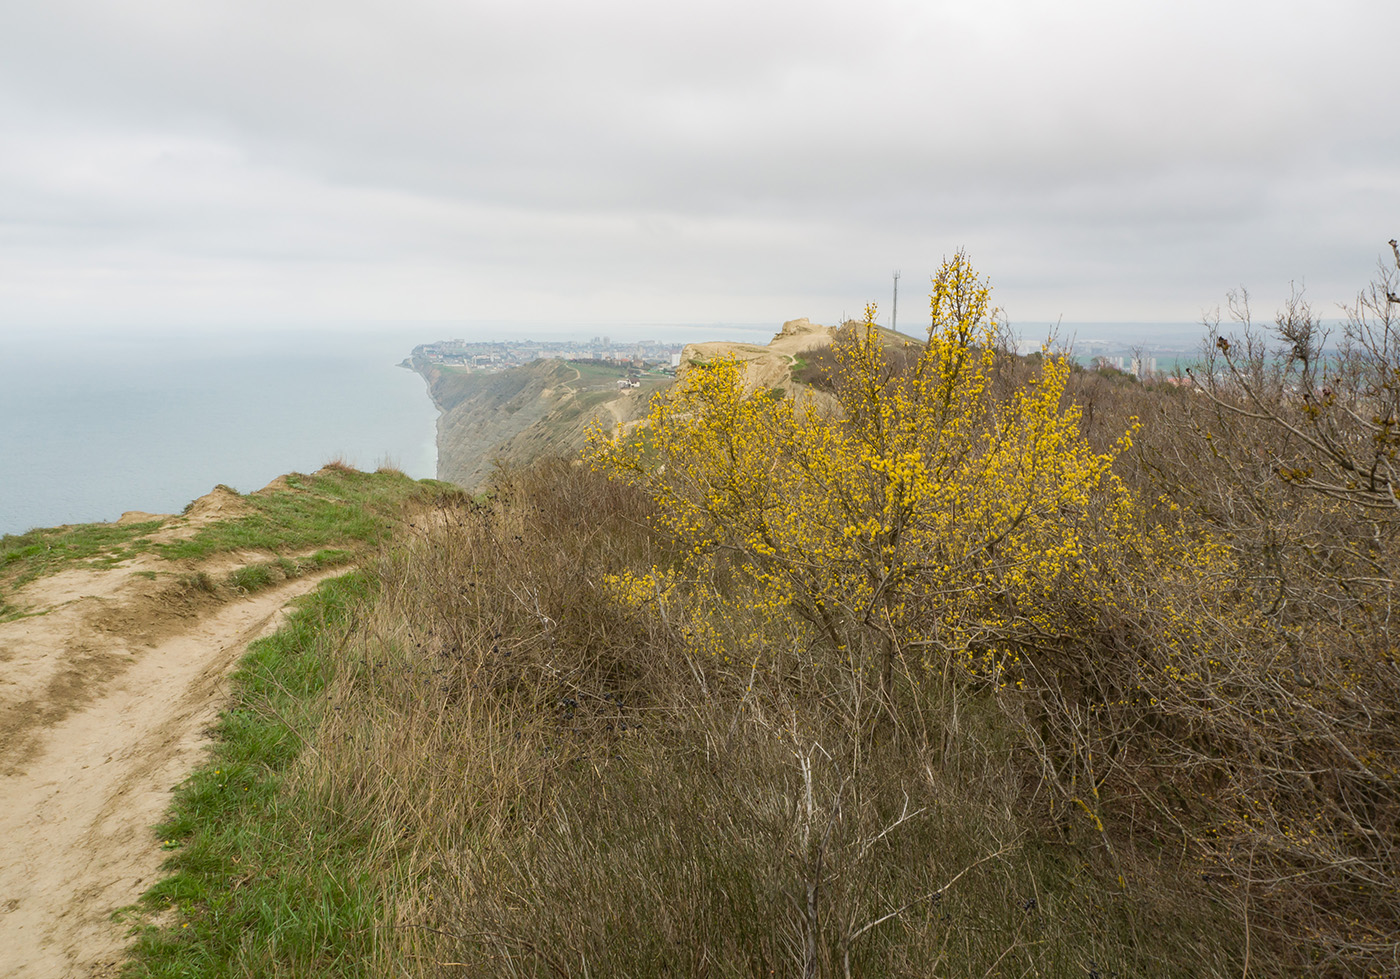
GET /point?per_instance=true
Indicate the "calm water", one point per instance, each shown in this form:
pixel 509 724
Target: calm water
pixel 91 427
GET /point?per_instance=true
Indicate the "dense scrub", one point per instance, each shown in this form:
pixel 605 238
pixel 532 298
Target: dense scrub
pixel 1187 642
pixel 989 666
pixel 576 785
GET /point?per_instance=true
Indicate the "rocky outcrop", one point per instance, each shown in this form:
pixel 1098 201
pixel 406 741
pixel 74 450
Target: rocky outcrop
pixel 768 366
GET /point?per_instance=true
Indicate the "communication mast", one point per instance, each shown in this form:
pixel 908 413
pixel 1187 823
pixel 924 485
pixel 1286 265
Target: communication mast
pixel 894 307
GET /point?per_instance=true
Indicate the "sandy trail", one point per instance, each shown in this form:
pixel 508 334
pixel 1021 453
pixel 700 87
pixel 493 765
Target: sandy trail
pixel 105 705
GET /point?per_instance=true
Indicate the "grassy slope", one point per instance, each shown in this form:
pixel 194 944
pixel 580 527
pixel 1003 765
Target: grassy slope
pixel 520 414
pixel 472 759
pixel 336 512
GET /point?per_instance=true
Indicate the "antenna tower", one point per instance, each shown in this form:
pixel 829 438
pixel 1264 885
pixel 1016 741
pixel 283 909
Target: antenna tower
pixel 894 308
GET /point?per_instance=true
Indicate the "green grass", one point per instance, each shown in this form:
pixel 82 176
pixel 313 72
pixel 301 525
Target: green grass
pixel 334 507
pixel 260 882
pixel 596 371
pixel 336 512
pixel 24 557
pixel 256 577
pixel 590 400
pixel 46 551
pixel 253 577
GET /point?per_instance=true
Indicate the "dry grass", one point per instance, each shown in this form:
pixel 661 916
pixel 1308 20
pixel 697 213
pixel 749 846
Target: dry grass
pixel 555 786
pixel 1268 747
pixel 537 776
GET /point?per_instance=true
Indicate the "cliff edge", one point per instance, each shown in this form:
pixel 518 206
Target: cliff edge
pixel 542 408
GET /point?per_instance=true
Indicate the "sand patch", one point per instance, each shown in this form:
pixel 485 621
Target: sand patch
pixel 220 503
pixel 764 366
pixel 85 627
pixel 278 485
pixel 140 516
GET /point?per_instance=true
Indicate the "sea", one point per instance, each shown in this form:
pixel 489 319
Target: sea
pixel 94 424
pixel 97 423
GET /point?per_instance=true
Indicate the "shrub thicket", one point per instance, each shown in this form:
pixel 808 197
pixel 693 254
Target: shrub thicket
pixel 967 665
pixel 571 783
pixel 1181 660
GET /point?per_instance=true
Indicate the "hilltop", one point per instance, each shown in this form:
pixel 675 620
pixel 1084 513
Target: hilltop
pixel 766 366
pixel 971 672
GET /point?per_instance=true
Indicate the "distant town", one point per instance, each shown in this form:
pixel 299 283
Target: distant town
pixel 651 355
pixel 502 355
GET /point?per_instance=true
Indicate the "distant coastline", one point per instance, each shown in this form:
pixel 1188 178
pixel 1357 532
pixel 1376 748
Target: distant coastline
pixel 516 400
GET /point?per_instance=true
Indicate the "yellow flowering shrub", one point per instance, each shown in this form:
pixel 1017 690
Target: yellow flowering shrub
pixel 1166 682
pixel 924 515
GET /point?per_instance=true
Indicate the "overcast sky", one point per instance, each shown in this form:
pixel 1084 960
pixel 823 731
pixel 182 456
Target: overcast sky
pixel 212 163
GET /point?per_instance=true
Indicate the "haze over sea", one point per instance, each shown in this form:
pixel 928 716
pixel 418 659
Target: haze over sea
pixel 91 426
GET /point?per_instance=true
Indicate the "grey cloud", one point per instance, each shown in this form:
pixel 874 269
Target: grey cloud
pixel 685 161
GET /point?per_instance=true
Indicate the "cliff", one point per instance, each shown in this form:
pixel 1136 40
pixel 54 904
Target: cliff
pixel 547 407
pixel 542 408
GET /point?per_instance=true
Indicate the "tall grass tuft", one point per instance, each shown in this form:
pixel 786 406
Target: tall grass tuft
pixel 549 781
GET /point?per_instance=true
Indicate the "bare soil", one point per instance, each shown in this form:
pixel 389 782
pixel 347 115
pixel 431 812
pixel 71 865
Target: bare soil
pixel 106 700
pixel 765 366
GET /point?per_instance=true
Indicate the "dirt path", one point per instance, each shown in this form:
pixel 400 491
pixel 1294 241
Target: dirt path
pixel 105 704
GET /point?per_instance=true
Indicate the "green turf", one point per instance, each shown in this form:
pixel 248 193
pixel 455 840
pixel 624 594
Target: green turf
pixel 260 884
pixel 329 508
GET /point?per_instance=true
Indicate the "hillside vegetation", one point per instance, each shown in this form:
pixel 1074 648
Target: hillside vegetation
pixel 548 407
pixel 508 418
pixel 334 514
pixel 969 665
